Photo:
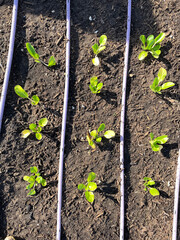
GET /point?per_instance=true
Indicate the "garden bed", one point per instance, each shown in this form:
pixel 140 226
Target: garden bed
pixel 43 24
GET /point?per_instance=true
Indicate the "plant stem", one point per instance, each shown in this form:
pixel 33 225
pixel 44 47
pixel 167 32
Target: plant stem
pixel 31 100
pixel 43 63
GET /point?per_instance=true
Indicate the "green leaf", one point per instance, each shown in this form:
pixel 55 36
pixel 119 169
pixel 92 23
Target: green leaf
pixel 155 82
pixel 93 134
pixel 93 89
pixel 159 38
pixel 158 90
pixel 52 62
pixel 109 134
pixel 33 169
pixel 30 186
pixel 92 186
pixel 35 100
pixel 32 51
pixel 162 139
pixel 154 86
pixel 161 74
pixel 91 177
pixel 142 55
pixel 103 40
pixel 154 192
pixel 25 133
pixel 151 136
pixel 94 81
pixel 39 129
pixel 32 192
pixel 101 127
pixel 81 186
pixel 150 46
pixel 90 141
pixel 43 122
pixel 167 85
pixel 157 47
pixel 151 182
pixel 92 144
pixel 143 39
pixel 147 179
pixel 39 179
pixel 100 49
pixel 95 61
pixel 33 126
pixel 156 53
pixel 38 136
pixel 95 48
pixel 98 139
pixel 150 41
pixel 89 196
pixel 99 86
pixel 155 147
pixel 43 182
pixel 31 179
pixel 20 91
pixel 26 178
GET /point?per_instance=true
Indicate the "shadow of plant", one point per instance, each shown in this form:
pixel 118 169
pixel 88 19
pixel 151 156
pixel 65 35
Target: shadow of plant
pixel 109 97
pixel 167 149
pixel 108 189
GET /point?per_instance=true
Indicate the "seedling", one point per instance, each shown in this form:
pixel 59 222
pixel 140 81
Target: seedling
pixel 33 180
pixel 156 144
pixel 35 55
pixel 148 183
pixel 99 48
pixel 23 94
pixel 35 128
pixel 89 187
pixel 151 45
pixel 161 76
pixel 93 135
pixel 95 86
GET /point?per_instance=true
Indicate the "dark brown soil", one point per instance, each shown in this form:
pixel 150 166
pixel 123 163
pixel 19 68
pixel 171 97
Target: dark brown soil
pixel 43 23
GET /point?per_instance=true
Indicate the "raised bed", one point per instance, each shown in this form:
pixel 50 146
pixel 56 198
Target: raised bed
pixel 43 24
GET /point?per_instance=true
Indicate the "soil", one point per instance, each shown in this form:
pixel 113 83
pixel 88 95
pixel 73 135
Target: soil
pixel 43 24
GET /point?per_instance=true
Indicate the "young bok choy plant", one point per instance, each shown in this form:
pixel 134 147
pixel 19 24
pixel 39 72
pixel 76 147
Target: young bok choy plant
pixel 33 180
pixel 23 94
pixel 161 76
pixel 89 187
pixel 35 55
pixel 156 143
pixel 151 45
pixel 94 135
pixel 94 86
pixel 148 186
pixel 33 128
pixel 99 48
